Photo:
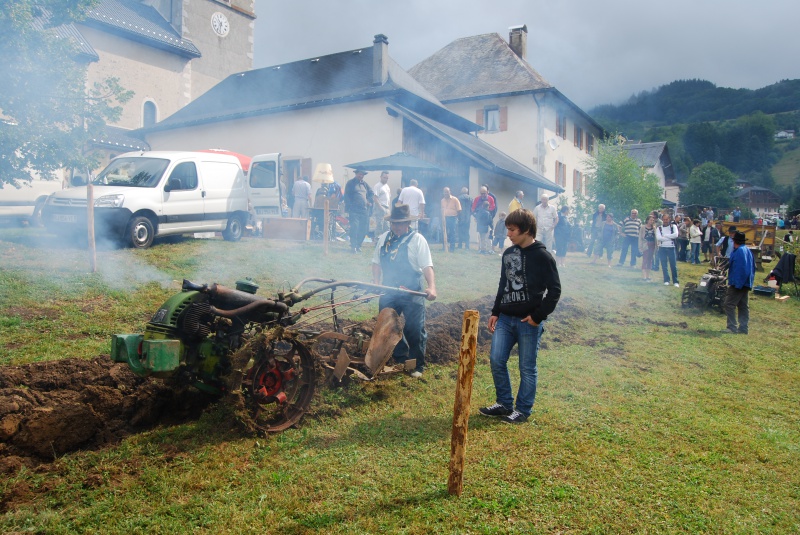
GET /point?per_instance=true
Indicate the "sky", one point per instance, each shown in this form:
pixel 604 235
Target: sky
pixel 594 52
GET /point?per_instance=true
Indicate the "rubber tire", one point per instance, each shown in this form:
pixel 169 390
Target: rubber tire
pixel 235 229
pixel 140 232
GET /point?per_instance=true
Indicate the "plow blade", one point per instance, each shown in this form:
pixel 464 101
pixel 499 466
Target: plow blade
pixel 388 332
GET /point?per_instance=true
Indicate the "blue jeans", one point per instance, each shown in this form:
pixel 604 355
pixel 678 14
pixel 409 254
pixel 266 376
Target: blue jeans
pixel 415 337
pixel 509 331
pixel 633 243
pixel 667 254
pixel 695 256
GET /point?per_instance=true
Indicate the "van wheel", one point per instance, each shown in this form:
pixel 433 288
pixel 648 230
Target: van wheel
pixel 234 230
pixel 140 232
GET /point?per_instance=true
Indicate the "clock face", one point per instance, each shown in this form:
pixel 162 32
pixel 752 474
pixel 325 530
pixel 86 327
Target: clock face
pixel 220 25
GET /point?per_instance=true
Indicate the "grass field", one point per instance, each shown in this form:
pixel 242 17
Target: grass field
pixel 647 420
pixel 787 169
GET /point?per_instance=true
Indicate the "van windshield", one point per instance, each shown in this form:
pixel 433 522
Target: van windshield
pixel 132 172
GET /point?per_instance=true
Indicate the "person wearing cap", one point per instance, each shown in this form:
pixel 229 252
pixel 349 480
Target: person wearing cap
pixel 357 203
pixel 402 259
pixel 741 273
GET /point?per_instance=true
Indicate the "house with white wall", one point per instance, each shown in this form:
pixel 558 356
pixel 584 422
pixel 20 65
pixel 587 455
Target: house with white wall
pixel 655 158
pixel 488 80
pixel 342 108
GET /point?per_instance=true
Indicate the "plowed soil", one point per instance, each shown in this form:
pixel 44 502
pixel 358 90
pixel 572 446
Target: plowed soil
pixel 52 408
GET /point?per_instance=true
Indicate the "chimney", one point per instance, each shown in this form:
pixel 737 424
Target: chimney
pixel 518 40
pixel 380 59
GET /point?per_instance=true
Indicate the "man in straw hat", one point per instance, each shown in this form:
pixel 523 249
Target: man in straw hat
pixel 402 258
pixel 741 272
pixel 358 204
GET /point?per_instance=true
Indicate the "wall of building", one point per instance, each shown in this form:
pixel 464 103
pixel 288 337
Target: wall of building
pixel 339 135
pixel 150 73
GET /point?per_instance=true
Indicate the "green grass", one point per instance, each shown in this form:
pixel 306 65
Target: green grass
pixel 787 169
pixel 647 418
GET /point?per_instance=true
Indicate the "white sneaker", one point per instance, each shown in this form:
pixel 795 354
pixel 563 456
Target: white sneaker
pixel 666 283
pixel 677 285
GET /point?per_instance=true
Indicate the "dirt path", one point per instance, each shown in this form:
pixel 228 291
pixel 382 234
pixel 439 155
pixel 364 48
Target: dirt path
pixel 52 408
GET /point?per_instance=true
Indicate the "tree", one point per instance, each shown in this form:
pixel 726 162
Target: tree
pixel 47 113
pixel 616 180
pixel 710 184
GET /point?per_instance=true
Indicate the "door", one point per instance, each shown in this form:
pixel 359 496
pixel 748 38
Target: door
pixel 264 185
pixel 182 207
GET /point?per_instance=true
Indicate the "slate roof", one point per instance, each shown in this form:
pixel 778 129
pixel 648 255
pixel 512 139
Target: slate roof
pixel 649 154
pixel 66 31
pixel 335 78
pixel 746 191
pixel 120 139
pixel 481 153
pixel 477 66
pixel 139 22
pixel 483 66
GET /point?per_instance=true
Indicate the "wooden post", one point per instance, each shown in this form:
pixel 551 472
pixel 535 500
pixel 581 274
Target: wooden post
pixel 90 227
pixel 444 232
pixel 466 369
pixel 326 231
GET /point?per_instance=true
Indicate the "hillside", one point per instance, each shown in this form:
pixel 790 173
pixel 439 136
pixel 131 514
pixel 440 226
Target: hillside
pixel 733 127
pixel 692 101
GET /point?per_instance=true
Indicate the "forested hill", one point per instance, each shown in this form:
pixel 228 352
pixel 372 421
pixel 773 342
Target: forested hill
pixel 694 101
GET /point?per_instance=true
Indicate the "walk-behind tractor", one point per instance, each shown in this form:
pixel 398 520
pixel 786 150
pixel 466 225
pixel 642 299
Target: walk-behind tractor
pixel 258 354
pixel 710 291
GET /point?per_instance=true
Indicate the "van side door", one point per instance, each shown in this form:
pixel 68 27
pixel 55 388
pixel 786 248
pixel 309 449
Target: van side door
pixel 264 185
pixel 183 204
pixel 224 192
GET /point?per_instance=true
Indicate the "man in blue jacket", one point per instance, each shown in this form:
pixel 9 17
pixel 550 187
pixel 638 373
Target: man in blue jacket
pixel 741 272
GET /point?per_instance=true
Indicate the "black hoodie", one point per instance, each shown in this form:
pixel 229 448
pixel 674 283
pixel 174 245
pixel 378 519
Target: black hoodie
pixel 529 283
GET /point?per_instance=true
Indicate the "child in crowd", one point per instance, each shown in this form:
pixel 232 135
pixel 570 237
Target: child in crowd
pixel 499 233
pixel 483 219
pixel 609 235
pixel 528 292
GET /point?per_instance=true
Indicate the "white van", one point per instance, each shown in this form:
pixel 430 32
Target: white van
pixel 23 203
pixel 143 195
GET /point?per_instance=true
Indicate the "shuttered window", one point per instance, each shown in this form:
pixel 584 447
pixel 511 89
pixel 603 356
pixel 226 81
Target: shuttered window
pixel 561 125
pixel 492 118
pixel 578 137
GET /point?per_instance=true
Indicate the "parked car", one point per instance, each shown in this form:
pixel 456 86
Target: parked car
pixel 22 204
pixel 143 195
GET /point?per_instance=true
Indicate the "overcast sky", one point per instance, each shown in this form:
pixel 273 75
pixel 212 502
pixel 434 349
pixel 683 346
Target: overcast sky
pixel 594 52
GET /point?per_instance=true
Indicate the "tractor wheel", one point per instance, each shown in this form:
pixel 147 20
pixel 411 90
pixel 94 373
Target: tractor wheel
pixel 688 297
pixel 719 296
pixel 279 387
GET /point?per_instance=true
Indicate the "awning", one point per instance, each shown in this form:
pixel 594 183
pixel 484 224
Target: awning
pixel 399 161
pixel 481 153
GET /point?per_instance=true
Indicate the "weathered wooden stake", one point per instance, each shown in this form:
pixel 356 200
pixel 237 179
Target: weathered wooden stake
pixel 326 231
pixel 90 227
pixel 444 235
pixel 466 369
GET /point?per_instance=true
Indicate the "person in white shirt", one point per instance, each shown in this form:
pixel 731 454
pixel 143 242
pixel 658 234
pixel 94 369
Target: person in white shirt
pixel 382 198
pixel 413 197
pixel 666 235
pixel 546 220
pixel 301 191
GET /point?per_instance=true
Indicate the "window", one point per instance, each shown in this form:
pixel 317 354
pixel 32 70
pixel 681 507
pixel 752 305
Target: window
pixel 589 143
pixel 578 138
pixel 492 118
pixel 577 182
pixel 263 175
pixel 561 174
pixel 149 114
pixel 183 177
pixel 561 125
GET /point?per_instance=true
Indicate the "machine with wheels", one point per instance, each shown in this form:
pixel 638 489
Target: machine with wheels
pixel 710 290
pixel 255 351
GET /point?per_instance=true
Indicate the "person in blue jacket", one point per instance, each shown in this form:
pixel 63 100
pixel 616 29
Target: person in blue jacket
pixel 741 272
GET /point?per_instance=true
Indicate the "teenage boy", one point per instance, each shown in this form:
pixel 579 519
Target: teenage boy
pixel 528 292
